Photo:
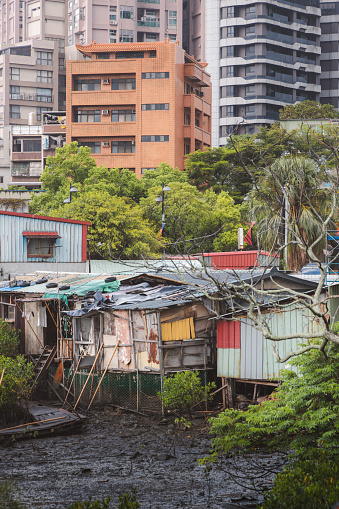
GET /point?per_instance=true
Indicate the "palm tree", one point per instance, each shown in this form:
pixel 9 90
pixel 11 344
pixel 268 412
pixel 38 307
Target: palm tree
pixel 291 192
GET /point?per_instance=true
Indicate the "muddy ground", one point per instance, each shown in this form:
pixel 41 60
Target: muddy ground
pixel 118 450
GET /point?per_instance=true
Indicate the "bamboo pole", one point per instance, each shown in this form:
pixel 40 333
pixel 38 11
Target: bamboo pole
pixel 3 372
pixel 55 323
pixel 34 422
pixel 115 349
pixel 95 360
pixel 76 369
pixel 42 346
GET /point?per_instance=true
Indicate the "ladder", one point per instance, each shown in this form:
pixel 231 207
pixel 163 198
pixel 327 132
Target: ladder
pixel 43 363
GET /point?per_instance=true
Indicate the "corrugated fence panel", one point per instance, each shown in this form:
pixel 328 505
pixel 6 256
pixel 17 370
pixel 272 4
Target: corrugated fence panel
pixel 288 321
pixel 228 362
pixel 251 351
pixel 228 334
pixel 13 245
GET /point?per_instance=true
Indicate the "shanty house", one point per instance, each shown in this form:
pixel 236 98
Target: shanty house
pixel 31 243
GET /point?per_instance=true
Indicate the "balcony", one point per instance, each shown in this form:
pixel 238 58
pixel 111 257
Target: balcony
pixel 280 57
pixel 196 74
pixel 149 1
pixel 149 23
pixel 278 76
pixel 275 36
pixel 26 156
pixel 31 97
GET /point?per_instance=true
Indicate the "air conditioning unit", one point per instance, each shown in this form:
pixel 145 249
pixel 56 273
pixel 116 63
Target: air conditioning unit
pixel 113 22
pixel 105 81
pixel 105 112
pixel 105 143
pixel 133 142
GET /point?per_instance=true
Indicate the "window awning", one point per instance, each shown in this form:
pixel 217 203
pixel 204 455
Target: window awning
pixel 41 235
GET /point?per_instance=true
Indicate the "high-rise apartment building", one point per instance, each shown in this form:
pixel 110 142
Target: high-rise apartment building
pixel 261 55
pixel 329 53
pixel 138 105
pixel 115 21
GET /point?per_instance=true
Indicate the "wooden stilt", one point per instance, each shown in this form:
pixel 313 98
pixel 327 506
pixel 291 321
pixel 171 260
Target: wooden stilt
pixel 76 369
pixel 95 360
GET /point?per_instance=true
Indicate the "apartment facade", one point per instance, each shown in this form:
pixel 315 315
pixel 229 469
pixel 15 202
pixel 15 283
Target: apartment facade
pixel 261 55
pixel 122 21
pixel 28 87
pixel 138 105
pixel 329 53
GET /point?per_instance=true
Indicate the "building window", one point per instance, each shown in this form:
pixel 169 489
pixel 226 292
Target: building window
pixel 41 109
pixel 122 147
pixel 123 84
pixel 250 90
pixel 85 85
pixel 44 76
pixel 129 54
pixel 154 75
pixel 126 36
pixel 44 58
pixel 112 36
pixel 230 111
pixel 40 248
pixel 146 169
pixel 112 13
pixel 1 180
pixel 44 95
pixel 230 51
pixel 14 92
pixel 14 111
pixel 172 37
pixel 250 51
pixel 14 74
pixel 31 145
pixel 61 64
pixel 103 56
pixel 87 116
pixel 230 12
pixel 123 115
pixel 172 18
pixel 126 11
pixel 149 37
pixel 153 138
pixel 159 106
pixel 250 30
pixel 230 32
pixel 230 91
pixel 250 10
pixel 249 69
pixel 95 146
pixel 250 109
pixel 230 71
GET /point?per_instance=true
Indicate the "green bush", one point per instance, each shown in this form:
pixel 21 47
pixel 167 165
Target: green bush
pixel 89 504
pixel 17 380
pixel 9 497
pixel 183 391
pixel 311 484
pixel 9 340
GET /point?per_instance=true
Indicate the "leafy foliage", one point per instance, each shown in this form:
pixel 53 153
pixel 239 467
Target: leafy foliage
pixel 302 415
pixel 9 340
pixel 92 504
pixel 183 391
pixel 311 483
pixel 9 497
pixel 17 379
pixel 218 222
pixel 128 500
pixel 308 110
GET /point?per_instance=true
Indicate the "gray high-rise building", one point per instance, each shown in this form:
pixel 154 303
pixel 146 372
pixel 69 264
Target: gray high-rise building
pixel 261 55
pixel 329 53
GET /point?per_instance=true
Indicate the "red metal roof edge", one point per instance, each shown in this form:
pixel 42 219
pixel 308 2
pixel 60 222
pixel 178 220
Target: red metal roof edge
pixel 46 218
pixel 236 253
pixel 39 234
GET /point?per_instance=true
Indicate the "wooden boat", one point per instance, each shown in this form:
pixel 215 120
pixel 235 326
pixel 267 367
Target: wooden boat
pixel 43 421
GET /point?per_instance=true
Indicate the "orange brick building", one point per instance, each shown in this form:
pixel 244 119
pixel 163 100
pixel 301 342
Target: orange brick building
pixel 138 105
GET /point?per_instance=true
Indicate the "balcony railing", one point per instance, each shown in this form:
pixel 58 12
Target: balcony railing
pixel 32 97
pixel 275 36
pixel 149 1
pixel 148 23
pixel 272 55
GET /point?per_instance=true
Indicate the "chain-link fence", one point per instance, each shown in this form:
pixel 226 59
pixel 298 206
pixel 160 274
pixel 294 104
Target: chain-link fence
pixel 132 390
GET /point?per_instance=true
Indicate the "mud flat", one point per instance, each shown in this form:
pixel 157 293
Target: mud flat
pixel 115 451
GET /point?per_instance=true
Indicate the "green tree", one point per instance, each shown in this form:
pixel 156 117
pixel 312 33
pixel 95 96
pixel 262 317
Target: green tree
pixel 122 183
pixel 234 168
pixel 301 416
pixel 218 217
pixel 308 110
pixel 183 391
pixel 16 382
pixel 118 229
pixel 9 340
pixel 164 174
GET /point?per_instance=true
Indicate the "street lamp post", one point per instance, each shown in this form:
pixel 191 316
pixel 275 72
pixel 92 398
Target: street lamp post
pixel 162 200
pixel 72 190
